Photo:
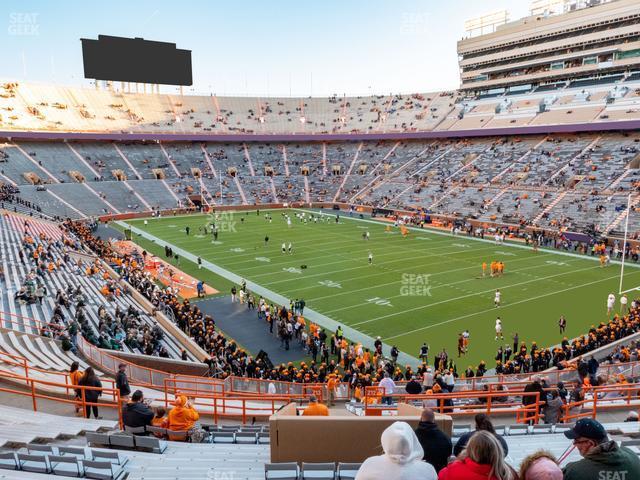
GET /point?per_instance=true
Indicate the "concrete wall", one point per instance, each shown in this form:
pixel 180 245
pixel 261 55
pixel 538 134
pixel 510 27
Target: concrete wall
pixel 335 438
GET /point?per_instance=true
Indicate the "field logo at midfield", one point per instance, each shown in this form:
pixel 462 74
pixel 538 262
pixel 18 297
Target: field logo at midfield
pixel 379 301
pixel 291 270
pixel 330 284
pixel 415 285
pixel 263 259
pixel 224 222
pixel 508 254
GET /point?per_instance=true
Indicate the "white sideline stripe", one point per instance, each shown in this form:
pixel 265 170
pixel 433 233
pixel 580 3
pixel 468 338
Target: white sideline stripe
pixel 311 314
pixel 472 295
pixel 476 239
pixel 503 307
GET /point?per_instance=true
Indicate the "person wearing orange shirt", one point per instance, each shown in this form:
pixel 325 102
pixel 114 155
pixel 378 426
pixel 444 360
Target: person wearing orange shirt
pixel 484 269
pixel 332 384
pixel 159 420
pixel 315 409
pixel 183 416
pixel 74 376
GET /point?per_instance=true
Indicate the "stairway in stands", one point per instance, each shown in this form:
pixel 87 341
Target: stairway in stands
pixel 61 279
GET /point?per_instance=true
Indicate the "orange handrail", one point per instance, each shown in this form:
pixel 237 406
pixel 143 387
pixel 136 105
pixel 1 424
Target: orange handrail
pixel 524 413
pixel 32 392
pixel 7 317
pixel 18 361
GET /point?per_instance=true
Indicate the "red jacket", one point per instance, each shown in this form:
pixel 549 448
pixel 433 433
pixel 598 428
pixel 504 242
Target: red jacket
pixel 465 469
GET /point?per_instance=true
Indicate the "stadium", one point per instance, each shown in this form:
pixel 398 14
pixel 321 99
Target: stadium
pixel 439 283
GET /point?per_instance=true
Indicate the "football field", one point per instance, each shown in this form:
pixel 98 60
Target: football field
pixel 426 286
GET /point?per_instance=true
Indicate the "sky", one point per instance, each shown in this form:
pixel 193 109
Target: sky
pixel 258 48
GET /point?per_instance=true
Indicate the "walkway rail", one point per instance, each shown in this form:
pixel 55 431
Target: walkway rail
pixel 36 390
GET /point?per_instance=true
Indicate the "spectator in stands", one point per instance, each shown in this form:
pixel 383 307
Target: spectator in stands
pixel 136 413
pixel 540 465
pixel 315 409
pixel 74 376
pixel 91 395
pixel 182 417
pixel 435 443
pixel 533 387
pixel 483 459
pixel 413 387
pixel 160 419
pixel 483 423
pixel 600 455
pixel 553 408
pixel 402 458
pixel 389 387
pixel 122 382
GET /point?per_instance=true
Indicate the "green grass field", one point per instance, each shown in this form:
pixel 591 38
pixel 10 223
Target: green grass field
pixel 427 286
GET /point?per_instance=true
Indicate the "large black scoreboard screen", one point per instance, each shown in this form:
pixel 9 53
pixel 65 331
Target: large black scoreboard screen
pixel 136 60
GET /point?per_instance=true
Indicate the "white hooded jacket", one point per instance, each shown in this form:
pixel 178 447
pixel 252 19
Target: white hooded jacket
pixel 402 459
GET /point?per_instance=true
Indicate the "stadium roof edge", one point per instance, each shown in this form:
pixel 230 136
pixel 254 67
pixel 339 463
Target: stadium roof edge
pixel 170 137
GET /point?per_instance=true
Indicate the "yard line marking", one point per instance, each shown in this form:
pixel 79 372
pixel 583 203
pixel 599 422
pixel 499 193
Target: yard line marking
pixel 470 295
pixel 363 266
pixel 452 284
pixel 505 306
pixel 349 257
pixel 297 249
pixel 314 316
pixel 436 231
pixel 432 274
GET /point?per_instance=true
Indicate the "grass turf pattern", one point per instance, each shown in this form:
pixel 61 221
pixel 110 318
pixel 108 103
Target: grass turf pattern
pixel 423 287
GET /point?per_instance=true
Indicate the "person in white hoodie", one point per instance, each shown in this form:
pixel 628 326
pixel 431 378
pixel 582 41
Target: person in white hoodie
pixel 402 459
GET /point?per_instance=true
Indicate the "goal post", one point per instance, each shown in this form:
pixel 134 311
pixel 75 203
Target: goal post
pixel 624 249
